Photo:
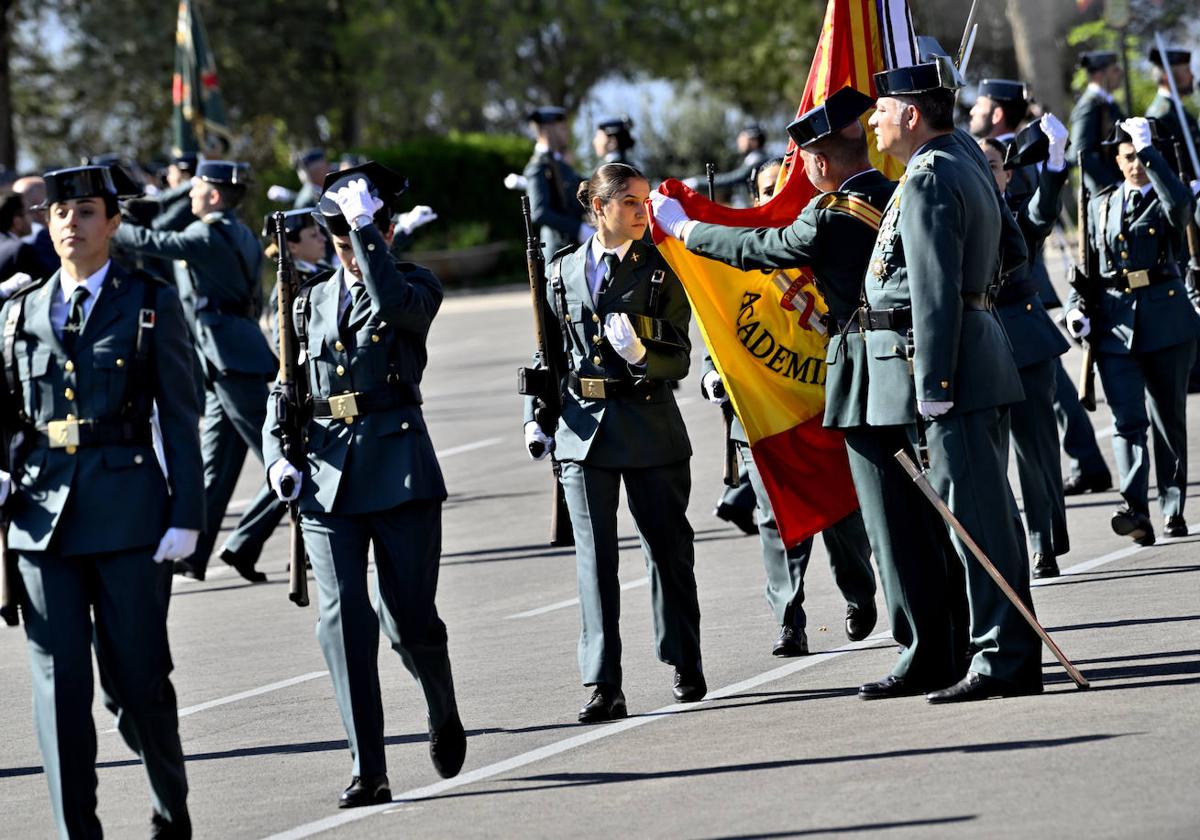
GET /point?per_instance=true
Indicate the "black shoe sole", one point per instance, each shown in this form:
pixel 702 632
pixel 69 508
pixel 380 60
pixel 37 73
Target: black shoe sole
pixel 381 798
pixel 616 713
pixel 1127 526
pixel 789 652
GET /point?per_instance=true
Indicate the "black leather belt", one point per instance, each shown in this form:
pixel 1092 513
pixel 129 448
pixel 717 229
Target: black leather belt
pixel 104 431
pixel 597 388
pixel 898 319
pixel 1128 280
pixel 978 301
pixel 357 403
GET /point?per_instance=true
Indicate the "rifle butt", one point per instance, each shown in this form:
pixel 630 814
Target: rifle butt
pixel 9 583
pixel 1087 378
pixel 298 571
pixel 730 465
pixel 561 533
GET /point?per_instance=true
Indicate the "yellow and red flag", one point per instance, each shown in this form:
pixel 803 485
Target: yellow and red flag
pixel 761 340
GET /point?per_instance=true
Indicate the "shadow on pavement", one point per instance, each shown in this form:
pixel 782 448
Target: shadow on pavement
pixel 1089 577
pixel 1124 622
pixel 848 829
pixel 1189 670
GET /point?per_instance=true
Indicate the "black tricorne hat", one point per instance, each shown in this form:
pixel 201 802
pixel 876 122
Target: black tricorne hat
pixel 1030 146
pixel 382 182
pixel 227 172
pixel 309 156
pixel 1097 60
pixel 619 128
pixel 294 221
pixel 1120 135
pixel 186 161
pixel 835 113
pixel 78 182
pixel 121 170
pixel 939 73
pixel 544 114
pixel 1174 56
pixel 1004 90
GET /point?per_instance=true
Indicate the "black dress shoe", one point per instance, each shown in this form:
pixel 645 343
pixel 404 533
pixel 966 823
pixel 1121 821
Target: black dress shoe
pixel 860 621
pixel 791 642
pixel 1136 526
pixel 977 686
pixel 243 565
pixel 185 569
pixel 607 703
pixel 1045 566
pixel 162 828
pixel 740 517
pixel 1175 527
pixel 886 688
pixel 448 747
pixel 1077 485
pixel 689 687
pixel 366 790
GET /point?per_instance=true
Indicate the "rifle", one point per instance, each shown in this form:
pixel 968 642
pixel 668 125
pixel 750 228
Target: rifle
pixel 288 408
pixel 1193 240
pixel 544 384
pixel 730 461
pixel 1083 282
pixel 10 578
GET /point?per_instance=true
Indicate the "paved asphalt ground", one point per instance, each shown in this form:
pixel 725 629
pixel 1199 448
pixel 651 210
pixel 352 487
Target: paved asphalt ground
pixel 782 748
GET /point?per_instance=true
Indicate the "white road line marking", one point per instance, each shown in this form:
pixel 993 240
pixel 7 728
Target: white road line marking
pixel 608 730
pixel 1088 565
pixel 633 584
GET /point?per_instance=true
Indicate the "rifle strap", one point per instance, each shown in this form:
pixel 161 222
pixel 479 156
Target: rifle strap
pixel 139 387
pixel 560 305
pixel 12 325
pixel 654 304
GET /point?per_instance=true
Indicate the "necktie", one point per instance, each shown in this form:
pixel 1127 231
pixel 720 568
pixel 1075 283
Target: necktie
pixel 358 294
pixel 1134 204
pixel 74 325
pixel 611 264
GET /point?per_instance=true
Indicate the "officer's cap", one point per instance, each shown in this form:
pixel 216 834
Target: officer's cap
pixel 1120 135
pixel 613 126
pixel 186 161
pixel 545 114
pixel 382 182
pixel 1174 56
pixel 756 131
pixel 1097 60
pixel 1004 90
pixel 835 113
pixel 294 221
pixel 309 157
pixel 1031 145
pixel 78 182
pixel 226 172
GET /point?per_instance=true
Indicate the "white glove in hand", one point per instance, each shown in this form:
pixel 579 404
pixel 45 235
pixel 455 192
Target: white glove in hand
pixel 282 472
pixel 933 408
pixel 5 486
pixel 14 284
pixel 1078 324
pixel 415 218
pixel 1053 128
pixel 619 332
pixel 536 441
pixel 585 232
pixel 714 388
pixel 669 214
pixel 515 182
pixel 1195 185
pixel 1138 129
pixel 177 543
pixel 281 194
pixel 356 203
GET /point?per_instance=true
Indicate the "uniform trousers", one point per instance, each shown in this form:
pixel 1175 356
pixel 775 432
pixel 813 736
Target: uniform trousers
pixel 1078 436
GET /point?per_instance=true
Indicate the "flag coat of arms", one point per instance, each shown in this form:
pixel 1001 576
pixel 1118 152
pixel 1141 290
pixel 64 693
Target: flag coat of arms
pixel 198 111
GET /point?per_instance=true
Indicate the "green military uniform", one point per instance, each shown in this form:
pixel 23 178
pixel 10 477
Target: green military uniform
pixel 551 184
pixel 85 519
pixel 1162 109
pixel 1092 121
pixel 372 480
pixel 220 289
pixel 1145 332
pixel 627 429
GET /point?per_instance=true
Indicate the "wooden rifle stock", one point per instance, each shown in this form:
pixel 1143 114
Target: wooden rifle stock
pixel 10 582
pixel 1084 283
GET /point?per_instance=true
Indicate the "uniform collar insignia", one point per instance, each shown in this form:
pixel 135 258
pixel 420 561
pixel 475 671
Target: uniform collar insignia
pixel 634 255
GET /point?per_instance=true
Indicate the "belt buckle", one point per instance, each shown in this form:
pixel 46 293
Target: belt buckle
pixel 343 406
pixel 1138 279
pixel 591 388
pixel 63 433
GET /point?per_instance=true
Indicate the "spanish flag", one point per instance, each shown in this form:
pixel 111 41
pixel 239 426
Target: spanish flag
pixel 757 324
pixel 198 111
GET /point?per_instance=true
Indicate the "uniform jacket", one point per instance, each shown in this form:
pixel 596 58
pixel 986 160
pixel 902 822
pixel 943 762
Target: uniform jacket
pixel 836 246
pixel 385 458
pixel 939 241
pixel 551 185
pixel 645 430
pixel 18 255
pixel 1152 317
pixel 1163 109
pixel 112 497
pixel 1092 121
pixel 215 287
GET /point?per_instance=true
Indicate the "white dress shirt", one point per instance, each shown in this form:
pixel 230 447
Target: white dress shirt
pixel 60 304
pixel 595 263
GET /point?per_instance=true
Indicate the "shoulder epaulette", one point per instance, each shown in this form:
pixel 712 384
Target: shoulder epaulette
pixel 319 277
pixel 27 290
pixel 1106 190
pixel 562 252
pixel 147 277
pixel 853 206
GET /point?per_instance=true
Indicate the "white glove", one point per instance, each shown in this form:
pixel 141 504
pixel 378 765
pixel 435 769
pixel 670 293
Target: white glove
pixel 279 473
pixel 515 182
pixel 619 332
pixel 536 441
pixel 415 218
pixel 1078 324
pixel 5 486
pixel 585 232
pixel 1138 129
pixel 281 194
pixel 714 388
pixel 177 543
pixel 14 284
pixel 1195 185
pixel 691 183
pixel 669 214
pixel 356 203
pixel 933 408
pixel 1053 128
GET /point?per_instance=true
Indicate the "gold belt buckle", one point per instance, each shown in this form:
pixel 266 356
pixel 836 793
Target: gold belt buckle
pixel 1138 279
pixel 343 406
pixel 593 389
pixel 63 433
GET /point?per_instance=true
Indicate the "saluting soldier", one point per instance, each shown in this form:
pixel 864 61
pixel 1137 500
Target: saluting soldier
pixel 88 354
pixel 1036 342
pixel 371 479
pixel 832 236
pixel 219 281
pixel 1162 108
pixel 936 255
pixel 551 183
pixel 1093 119
pixel 613 140
pixel 1145 330
pixel 623 319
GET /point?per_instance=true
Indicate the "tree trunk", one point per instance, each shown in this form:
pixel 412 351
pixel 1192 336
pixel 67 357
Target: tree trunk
pixel 1035 24
pixel 8 143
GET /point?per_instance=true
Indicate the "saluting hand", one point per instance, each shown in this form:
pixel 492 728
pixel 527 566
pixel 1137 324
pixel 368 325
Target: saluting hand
pixel 417 217
pixel 619 332
pixel 356 203
pixel 1056 132
pixel 1138 129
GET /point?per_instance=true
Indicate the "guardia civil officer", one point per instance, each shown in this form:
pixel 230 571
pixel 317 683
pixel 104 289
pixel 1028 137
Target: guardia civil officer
pixel 613 140
pixel 1036 342
pixel 751 145
pixel 1093 119
pixel 551 183
pixel 88 355
pixel 312 166
pixel 371 480
pixel 936 254
pixel 1162 108
pixel 832 236
pixel 218 281
pixel 623 319
pixel 1144 330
